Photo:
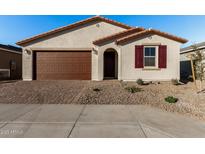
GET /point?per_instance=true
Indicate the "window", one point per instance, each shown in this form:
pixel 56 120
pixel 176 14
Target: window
pixel 150 56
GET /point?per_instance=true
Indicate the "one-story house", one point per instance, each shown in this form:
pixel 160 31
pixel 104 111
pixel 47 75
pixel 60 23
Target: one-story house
pixel 10 62
pixel 99 48
pixel 185 64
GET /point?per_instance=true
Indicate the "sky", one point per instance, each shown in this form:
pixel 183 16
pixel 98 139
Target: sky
pixel 15 28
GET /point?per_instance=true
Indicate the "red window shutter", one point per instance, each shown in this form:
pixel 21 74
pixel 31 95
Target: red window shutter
pixel 139 56
pixel 162 56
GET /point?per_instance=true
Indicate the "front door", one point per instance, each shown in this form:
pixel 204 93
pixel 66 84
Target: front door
pixel 109 65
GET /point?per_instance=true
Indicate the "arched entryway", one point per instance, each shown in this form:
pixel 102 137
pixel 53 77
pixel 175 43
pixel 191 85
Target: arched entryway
pixel 110 64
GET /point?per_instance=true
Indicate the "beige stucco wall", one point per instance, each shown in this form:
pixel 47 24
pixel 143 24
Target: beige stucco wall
pixel 81 37
pixel 126 60
pixel 100 54
pixel 183 57
pixel 129 72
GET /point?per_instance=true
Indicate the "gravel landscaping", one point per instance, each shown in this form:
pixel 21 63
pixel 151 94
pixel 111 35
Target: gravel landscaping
pixel 106 92
pixel 40 92
pixel 114 92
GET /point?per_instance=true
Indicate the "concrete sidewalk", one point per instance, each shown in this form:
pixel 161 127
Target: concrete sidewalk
pixel 63 120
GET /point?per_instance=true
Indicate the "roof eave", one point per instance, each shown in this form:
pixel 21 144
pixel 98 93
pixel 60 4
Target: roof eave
pixel 118 35
pixel 191 50
pixel 25 41
pixel 152 31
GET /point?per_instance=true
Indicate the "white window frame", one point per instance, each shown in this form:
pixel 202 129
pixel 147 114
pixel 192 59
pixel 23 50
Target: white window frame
pixel 156 56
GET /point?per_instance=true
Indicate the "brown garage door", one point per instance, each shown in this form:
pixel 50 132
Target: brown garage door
pixel 58 65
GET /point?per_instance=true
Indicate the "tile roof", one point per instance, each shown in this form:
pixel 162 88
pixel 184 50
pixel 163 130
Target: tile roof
pixel 118 35
pixel 74 25
pixel 121 37
pixel 150 31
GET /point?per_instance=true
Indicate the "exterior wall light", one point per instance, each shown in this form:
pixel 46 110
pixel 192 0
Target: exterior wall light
pixel 98 25
pixel 28 52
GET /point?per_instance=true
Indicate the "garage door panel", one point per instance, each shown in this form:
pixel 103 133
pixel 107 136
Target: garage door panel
pixel 63 76
pixel 70 54
pixel 71 65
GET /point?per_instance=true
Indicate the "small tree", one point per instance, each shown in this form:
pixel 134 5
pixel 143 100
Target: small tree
pixel 199 63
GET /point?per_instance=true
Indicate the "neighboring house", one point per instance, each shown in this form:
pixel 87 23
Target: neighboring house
pixel 185 64
pixel 10 62
pixel 98 48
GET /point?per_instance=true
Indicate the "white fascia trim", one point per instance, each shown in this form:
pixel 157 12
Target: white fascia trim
pixel 191 50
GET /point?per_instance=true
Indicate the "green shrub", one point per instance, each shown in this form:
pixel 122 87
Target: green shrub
pixel 171 99
pixel 140 82
pixel 96 89
pixel 133 89
pixel 175 82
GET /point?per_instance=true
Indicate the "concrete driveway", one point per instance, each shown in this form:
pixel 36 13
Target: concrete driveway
pixel 65 120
